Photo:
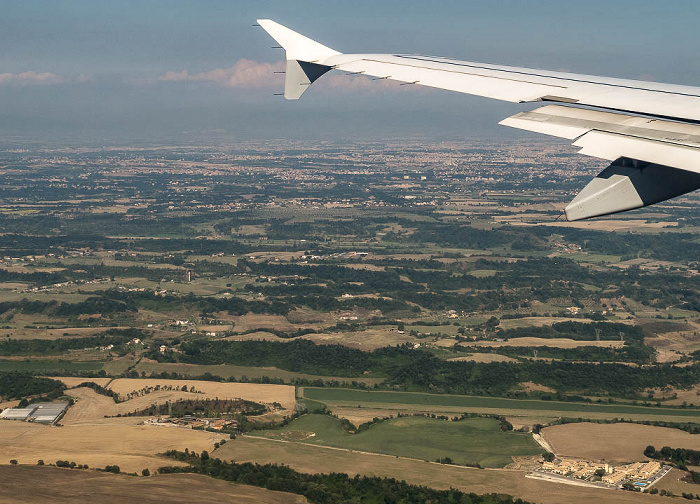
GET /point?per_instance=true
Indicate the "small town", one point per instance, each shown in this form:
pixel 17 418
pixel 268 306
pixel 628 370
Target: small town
pixel 640 475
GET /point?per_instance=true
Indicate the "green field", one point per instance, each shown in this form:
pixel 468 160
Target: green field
pixel 506 406
pixel 48 366
pixel 470 441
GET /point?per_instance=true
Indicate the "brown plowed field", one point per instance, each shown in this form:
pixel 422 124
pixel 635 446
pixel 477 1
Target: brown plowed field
pixel 49 485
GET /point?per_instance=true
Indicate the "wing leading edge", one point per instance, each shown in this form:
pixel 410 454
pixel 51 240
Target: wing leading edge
pixel 652 159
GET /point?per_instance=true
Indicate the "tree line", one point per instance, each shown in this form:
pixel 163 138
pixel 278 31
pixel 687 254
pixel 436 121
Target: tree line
pixel 333 488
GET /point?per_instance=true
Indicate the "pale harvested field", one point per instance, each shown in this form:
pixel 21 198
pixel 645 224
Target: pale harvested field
pixel 74 381
pixel 257 321
pixel 215 328
pixel 664 355
pixel 90 406
pixel 119 441
pixel 86 437
pixel 363 340
pixel 313 459
pixel 614 225
pixel 538 322
pixel 283 256
pixel 365 266
pixel 441 342
pixel 550 342
pixel 680 342
pixel 536 387
pixel 13 286
pixel 483 357
pixel 615 442
pixel 50 485
pixel 672 482
pixel 257 336
pixel 9 404
pixel 283 394
pixel 358 416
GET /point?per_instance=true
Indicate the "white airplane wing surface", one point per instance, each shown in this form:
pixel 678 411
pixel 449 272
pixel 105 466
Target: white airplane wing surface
pixel 649 131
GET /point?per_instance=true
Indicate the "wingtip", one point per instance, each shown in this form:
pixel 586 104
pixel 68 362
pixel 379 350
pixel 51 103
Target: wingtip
pixel 296 45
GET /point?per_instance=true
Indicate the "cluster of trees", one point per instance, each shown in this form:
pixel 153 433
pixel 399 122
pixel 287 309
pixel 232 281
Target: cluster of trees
pixel 606 331
pixel 418 369
pixel 16 385
pixel 67 465
pixel 332 488
pixel 434 287
pixel 680 456
pixel 96 304
pixel 202 304
pixel 207 408
pixel 665 246
pixel 639 353
pixel 60 345
pixel 299 356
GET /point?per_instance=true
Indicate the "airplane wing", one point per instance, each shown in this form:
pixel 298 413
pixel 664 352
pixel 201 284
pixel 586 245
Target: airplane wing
pixel 649 131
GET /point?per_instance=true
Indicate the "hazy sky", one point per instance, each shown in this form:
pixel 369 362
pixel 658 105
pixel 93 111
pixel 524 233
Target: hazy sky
pixel 153 70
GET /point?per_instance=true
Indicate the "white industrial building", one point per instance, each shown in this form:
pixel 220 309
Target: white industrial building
pixel 46 413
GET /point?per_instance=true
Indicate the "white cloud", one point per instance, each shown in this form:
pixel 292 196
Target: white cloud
pixel 252 74
pixel 30 79
pixel 244 74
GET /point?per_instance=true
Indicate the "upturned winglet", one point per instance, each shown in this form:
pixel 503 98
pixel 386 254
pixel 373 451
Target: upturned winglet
pixel 304 58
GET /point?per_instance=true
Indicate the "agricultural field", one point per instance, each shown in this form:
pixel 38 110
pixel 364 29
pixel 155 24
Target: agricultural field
pixel 86 436
pixel 312 459
pixel 619 442
pixel 144 388
pixel 550 342
pixel 99 442
pixel 407 401
pixel 466 442
pixel 48 366
pixel 50 485
pixel 676 482
pixel 278 274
